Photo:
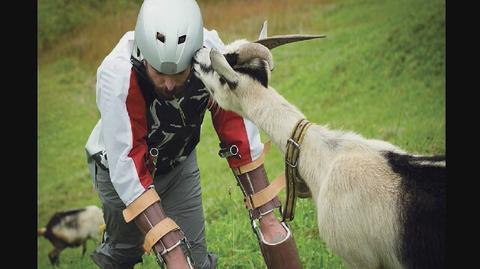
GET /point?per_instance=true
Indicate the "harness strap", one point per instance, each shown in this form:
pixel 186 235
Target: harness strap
pixel 266 195
pixel 291 167
pixel 158 231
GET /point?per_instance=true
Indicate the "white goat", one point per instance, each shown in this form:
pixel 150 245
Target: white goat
pixel 72 228
pixel 377 206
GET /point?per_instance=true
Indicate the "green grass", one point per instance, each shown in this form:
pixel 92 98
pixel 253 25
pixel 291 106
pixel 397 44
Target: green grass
pixel 62 18
pixel 380 72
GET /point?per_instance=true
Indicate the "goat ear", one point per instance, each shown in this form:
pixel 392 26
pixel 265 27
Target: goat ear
pixel 221 66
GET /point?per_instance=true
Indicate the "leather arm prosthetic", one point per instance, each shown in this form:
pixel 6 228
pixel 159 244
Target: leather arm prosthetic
pixel 260 199
pixel 162 234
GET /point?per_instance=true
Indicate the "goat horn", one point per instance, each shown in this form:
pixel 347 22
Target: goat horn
pixel 275 41
pixel 263 31
pixel 249 51
pixel 221 66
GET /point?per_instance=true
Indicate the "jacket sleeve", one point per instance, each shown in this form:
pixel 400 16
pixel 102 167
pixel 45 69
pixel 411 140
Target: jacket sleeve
pixel 232 129
pixel 123 127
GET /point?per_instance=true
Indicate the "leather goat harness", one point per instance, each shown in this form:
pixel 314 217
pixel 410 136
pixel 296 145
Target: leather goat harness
pixel 295 185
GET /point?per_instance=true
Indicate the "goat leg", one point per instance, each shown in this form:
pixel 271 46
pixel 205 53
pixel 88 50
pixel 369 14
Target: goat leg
pixel 84 248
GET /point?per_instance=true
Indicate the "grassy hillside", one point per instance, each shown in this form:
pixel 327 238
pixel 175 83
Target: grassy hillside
pixel 380 73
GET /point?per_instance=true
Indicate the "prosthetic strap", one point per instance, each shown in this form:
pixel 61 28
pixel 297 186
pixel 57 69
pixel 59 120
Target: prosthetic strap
pixel 260 198
pixel 140 204
pixel 266 195
pixel 162 234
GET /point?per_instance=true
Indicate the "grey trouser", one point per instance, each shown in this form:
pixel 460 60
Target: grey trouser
pixel 181 199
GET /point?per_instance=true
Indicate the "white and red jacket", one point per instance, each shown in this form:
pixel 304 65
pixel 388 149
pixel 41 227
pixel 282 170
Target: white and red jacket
pixel 133 120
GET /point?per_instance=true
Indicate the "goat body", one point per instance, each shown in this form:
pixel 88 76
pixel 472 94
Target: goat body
pixel 377 205
pixel 72 228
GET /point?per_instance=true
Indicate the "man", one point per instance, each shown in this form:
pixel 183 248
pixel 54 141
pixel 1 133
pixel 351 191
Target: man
pixel 142 151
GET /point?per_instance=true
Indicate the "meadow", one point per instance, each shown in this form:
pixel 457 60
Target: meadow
pixel 380 72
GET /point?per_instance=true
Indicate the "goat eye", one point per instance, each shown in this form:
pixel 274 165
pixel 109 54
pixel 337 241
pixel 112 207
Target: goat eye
pixel 222 80
pixel 232 58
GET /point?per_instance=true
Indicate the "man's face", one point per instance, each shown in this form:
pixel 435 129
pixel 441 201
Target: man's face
pixel 167 86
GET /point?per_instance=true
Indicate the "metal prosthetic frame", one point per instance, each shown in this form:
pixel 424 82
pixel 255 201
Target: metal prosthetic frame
pixel 162 234
pixel 261 199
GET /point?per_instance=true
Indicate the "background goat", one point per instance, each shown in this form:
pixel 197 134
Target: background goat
pixel 377 205
pixel 72 228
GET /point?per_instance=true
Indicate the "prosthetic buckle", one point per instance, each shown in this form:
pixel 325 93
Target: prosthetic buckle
pixel 187 252
pixel 229 152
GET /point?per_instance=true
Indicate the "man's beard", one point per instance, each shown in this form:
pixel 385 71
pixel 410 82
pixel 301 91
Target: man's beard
pixel 164 93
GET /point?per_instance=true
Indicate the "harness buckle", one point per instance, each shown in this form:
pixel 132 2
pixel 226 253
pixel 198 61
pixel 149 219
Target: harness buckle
pixel 290 140
pixel 160 260
pixel 293 165
pixel 255 228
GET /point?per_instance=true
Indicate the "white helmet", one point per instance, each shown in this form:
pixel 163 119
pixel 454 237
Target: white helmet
pixel 168 33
